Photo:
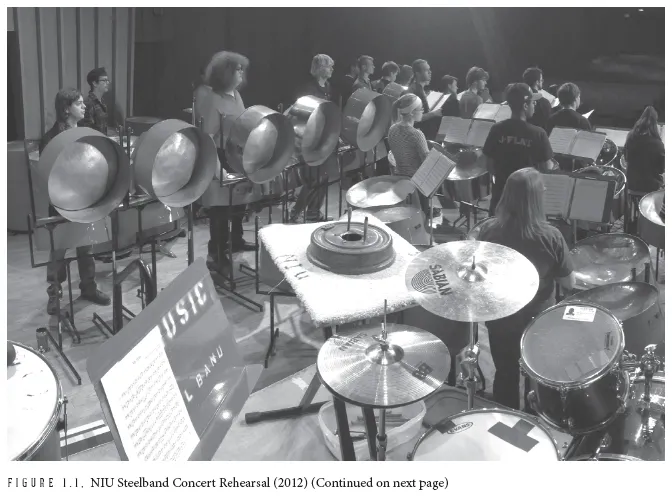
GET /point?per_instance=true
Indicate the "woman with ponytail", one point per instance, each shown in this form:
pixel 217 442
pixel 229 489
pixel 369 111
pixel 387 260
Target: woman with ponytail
pixel 645 154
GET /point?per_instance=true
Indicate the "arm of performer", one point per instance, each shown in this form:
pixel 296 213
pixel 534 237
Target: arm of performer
pixel 564 270
pixel 543 154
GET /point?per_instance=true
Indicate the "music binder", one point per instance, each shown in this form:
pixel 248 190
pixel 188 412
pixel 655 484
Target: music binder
pixel 432 173
pixel 472 132
pixel 578 197
pixel 577 143
pixel 492 112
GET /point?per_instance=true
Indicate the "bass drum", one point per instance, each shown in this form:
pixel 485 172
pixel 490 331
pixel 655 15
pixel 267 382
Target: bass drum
pixel 34 405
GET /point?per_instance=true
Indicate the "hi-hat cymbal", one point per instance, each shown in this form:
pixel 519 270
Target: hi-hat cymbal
pixel 364 370
pixel 472 281
pixel 381 191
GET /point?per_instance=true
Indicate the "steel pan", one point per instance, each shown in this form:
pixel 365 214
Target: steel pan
pixel 380 191
pixel 393 91
pixel 651 226
pixel 608 155
pixel 317 126
pixel 468 181
pixel 174 162
pixel 636 305
pixel 141 124
pixel 366 118
pixel 260 144
pixel 608 258
pixel 406 221
pixel 564 228
pixel 618 204
pixel 86 174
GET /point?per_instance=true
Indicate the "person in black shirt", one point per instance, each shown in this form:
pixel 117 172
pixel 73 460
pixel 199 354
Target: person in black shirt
pixel 645 154
pixel 405 75
pixel 534 78
pixel 451 107
pixel 346 83
pixel 520 224
pixel 431 120
pixel 514 143
pixel 366 69
pixel 566 116
pixel 390 70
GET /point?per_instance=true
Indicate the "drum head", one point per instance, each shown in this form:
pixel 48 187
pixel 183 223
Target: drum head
pixel 486 435
pixel 33 402
pixel 570 344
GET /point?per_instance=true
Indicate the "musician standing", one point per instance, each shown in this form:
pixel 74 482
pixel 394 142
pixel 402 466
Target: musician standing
pixel 431 119
pixel 477 79
pixel 347 82
pixel 514 143
pixel 366 68
pixel 390 70
pixel 534 78
pixel 567 116
pixel 645 154
pixel 451 107
pixel 405 75
pixel 96 111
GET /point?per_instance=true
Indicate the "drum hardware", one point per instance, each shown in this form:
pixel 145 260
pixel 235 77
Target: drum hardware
pixel 605 441
pixel 651 227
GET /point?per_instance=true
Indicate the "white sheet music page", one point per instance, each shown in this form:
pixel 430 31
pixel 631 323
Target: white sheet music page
pixel 503 113
pixel 588 114
pixel 590 198
pixel 147 406
pixel 557 194
pixel 432 173
pixel 661 129
pixel 478 132
pixel 436 99
pixel 561 140
pixel 487 111
pixel 547 96
pixel 454 129
pixel 588 144
pixel 618 136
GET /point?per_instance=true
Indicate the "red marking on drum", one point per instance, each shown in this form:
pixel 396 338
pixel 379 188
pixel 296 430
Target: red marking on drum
pixel 516 436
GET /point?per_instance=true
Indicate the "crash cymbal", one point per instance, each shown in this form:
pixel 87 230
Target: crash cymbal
pixel 381 191
pixel 472 281
pixel 407 367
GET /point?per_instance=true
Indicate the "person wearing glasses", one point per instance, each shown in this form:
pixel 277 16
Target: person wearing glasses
pixel 95 115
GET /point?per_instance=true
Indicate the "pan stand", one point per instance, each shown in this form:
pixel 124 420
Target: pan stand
pixel 470 363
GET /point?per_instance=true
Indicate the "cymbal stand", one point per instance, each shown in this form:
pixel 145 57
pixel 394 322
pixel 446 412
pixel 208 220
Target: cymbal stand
pixel 470 364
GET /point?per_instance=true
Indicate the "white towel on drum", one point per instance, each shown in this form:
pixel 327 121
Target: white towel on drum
pixel 330 298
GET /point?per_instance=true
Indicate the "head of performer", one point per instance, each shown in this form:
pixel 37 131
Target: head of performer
pixel 647 124
pixel 365 66
pixel 534 78
pixel 226 72
pixel 99 81
pixel 449 84
pixel 521 207
pixel 353 71
pixel 422 73
pixel 322 68
pixel 522 100
pixel 405 75
pixel 390 71
pixel 407 109
pixel 477 79
pixel 569 96
pixel 69 106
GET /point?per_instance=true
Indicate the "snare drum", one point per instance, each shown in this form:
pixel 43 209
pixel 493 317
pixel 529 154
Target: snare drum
pixel 486 435
pixel 571 354
pixel 34 402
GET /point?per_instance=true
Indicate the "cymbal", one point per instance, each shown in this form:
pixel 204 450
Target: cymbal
pixel 381 191
pixel 407 367
pixel 472 281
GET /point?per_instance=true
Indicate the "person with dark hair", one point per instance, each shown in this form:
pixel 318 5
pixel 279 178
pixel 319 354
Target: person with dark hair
pixel 431 119
pixel 405 75
pixel 645 154
pixel 201 88
pixel 451 107
pixel 225 74
pixel 70 109
pixel 476 85
pixel 566 116
pixel 389 71
pixel 534 78
pixel 520 224
pixel 514 143
pixel 366 69
pixel 96 111
pixel 346 83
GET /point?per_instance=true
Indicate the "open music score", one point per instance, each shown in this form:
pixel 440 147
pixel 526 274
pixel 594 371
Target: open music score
pixel 492 112
pixel 620 135
pixel 435 99
pixel 588 114
pixel 432 173
pixel 460 131
pixel 548 97
pixel 578 197
pixel 576 143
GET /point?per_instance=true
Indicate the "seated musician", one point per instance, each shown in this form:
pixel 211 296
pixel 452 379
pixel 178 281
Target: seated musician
pixel 366 68
pixel 645 154
pixel 225 73
pixel 534 78
pixel 567 116
pixel 390 70
pixel 451 107
pixel 477 79
pixel 405 75
pixel 431 119
pixel 514 143
pixel 520 224
pixel 70 109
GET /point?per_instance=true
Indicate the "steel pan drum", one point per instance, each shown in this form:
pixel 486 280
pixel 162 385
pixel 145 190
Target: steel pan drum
pixel 609 258
pixel 394 91
pixel 260 144
pixel 608 155
pixel 381 191
pixel 564 228
pixel 618 204
pixel 175 162
pixel 141 124
pixel 317 126
pixel 366 119
pixel 86 174
pixel 651 226
pixel 407 221
pixel 468 181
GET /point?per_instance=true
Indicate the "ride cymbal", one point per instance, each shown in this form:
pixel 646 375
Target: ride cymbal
pixel 472 281
pixel 364 370
pixel 381 191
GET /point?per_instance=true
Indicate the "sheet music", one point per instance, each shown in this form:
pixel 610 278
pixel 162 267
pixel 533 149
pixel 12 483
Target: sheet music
pixel 147 406
pixel 588 114
pixel 454 129
pixel 478 132
pixel 503 113
pixel 588 144
pixel 459 95
pixel 590 198
pixel 661 130
pixel 555 103
pixel 561 140
pixel 547 96
pixel 487 111
pixel 436 99
pixel 432 173
pixel 618 136
pixel 557 194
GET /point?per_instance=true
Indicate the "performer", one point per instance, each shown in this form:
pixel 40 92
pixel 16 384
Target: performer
pixel 347 82
pixel 390 71
pixel 514 143
pixel 201 88
pixel 451 107
pixel 534 78
pixel 645 154
pixel 225 74
pixel 566 116
pixel 431 120
pixel 366 69
pixel 405 75
pixel 70 109
pixel 96 111
pixel 520 224
pixel 476 85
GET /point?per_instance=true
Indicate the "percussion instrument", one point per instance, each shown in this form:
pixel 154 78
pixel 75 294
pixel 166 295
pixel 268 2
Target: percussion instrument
pixel 651 226
pixel 404 366
pixel 571 354
pixel 406 221
pixel 472 281
pixel 608 258
pixel 486 435
pixel 141 124
pixel 636 305
pixel 393 91
pixel 618 204
pixel 260 144
pixel 608 155
pixel 468 181
pixel 34 404
pixel 317 126
pixel 86 174
pixel 366 118
pixel 381 191
pixel 563 226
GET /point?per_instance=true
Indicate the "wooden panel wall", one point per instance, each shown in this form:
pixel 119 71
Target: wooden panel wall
pixel 59 46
